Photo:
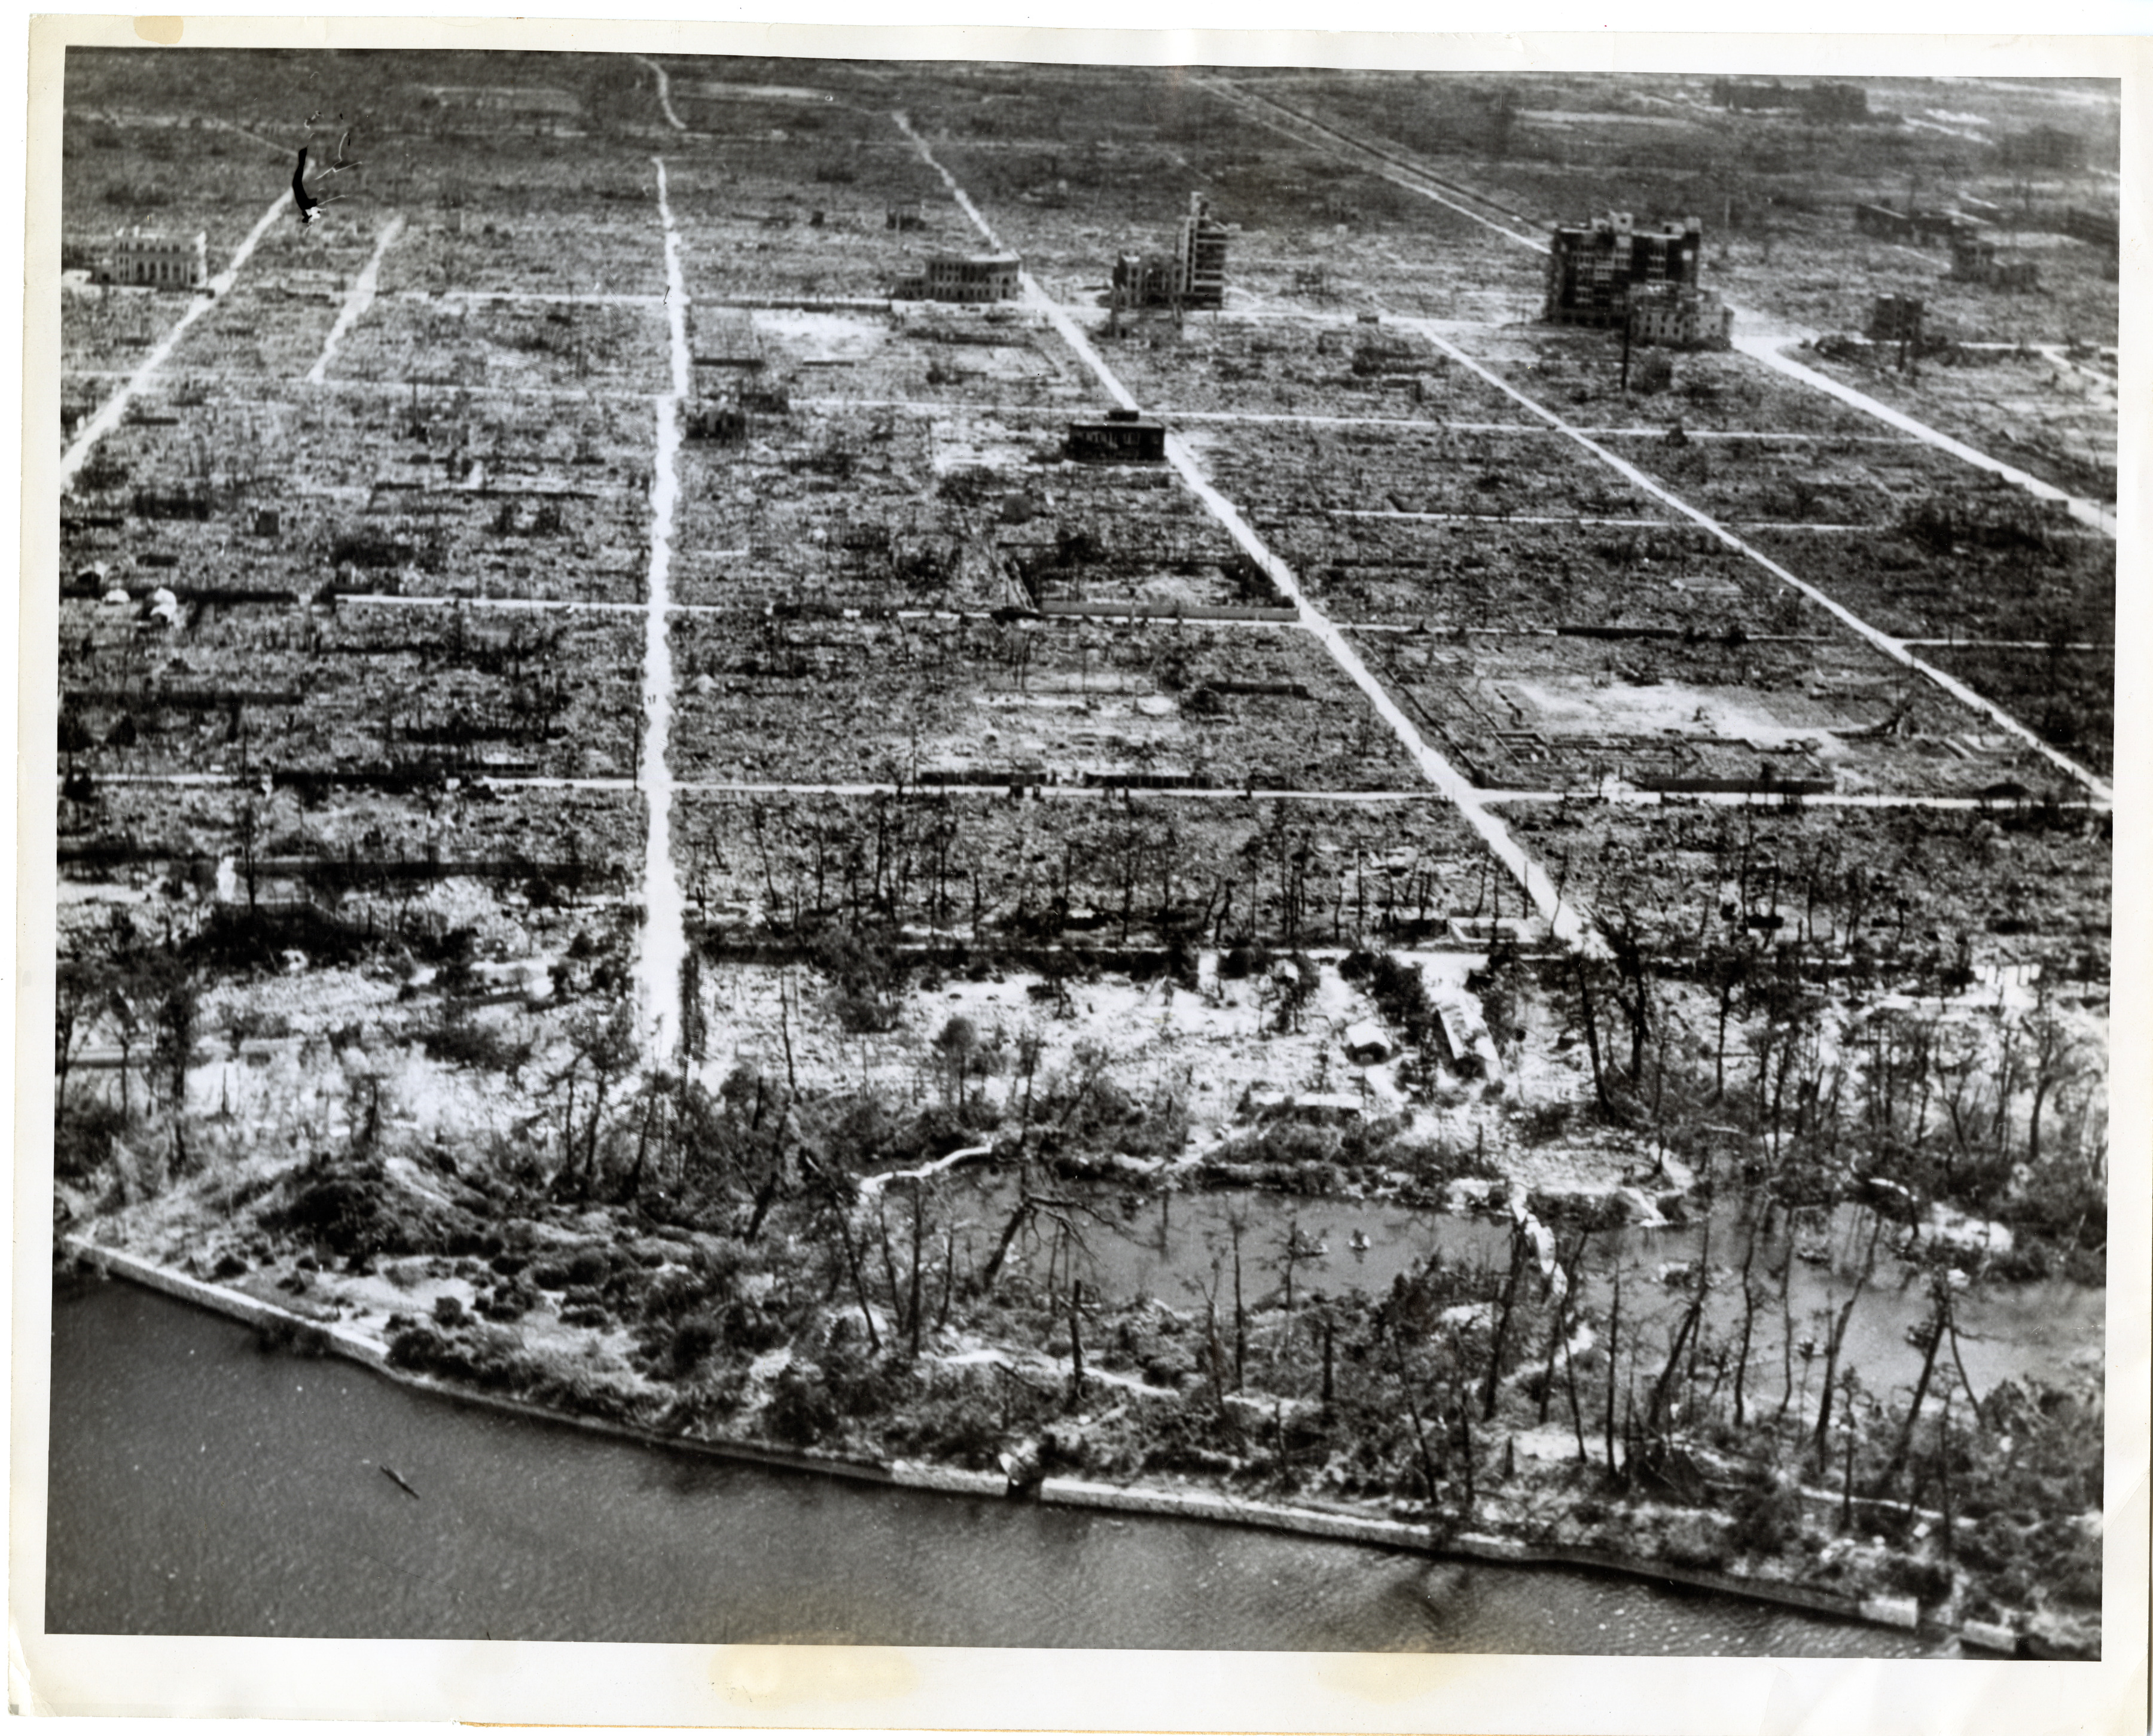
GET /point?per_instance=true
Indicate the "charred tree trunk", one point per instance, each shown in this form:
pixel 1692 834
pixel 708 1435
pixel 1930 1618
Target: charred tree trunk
pixel 1494 1377
pixel 1075 1342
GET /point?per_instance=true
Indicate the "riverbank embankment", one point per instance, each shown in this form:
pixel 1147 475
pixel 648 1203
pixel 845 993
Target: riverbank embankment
pixel 310 1335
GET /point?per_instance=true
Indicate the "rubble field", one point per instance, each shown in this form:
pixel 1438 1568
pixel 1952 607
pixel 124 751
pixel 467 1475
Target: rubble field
pixel 1618 580
pixel 2066 694
pixel 2034 408
pixel 278 493
pixel 893 700
pixel 1961 578
pixel 2013 889
pixel 1469 474
pixel 975 776
pixel 113 832
pixel 349 690
pixel 1577 373
pixel 1774 187
pixel 1257 365
pixel 883 508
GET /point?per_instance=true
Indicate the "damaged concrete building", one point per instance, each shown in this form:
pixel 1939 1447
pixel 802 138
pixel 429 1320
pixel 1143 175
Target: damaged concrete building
pixel 1120 436
pixel 1916 228
pixel 964 277
pixel 1192 276
pixel 1593 268
pixel 1978 259
pixel 1896 319
pixel 1676 318
pixel 139 256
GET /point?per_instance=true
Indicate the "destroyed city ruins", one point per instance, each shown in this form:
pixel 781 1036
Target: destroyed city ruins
pixel 1357 814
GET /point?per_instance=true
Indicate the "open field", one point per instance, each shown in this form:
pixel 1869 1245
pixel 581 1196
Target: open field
pixel 1822 715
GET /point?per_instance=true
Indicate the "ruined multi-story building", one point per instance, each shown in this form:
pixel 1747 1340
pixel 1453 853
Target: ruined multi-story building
pixel 1920 228
pixel 1896 319
pixel 1143 280
pixel 1593 267
pixel 1678 318
pixel 140 255
pixel 1192 276
pixel 2090 227
pixel 1977 259
pixel 1200 256
pixel 964 277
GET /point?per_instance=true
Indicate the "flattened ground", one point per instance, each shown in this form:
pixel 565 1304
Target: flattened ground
pixel 372 690
pixel 886 701
pixel 876 508
pixel 2013 887
pixel 1540 713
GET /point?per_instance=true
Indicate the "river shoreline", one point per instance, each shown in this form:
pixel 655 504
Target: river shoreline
pixel 1151 1501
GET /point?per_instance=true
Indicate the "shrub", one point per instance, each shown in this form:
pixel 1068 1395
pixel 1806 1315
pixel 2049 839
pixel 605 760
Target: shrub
pixel 280 1331
pixel 800 1411
pixel 1766 1517
pixel 449 1311
pixel 1930 1582
pixel 84 1140
pixel 460 1040
pixel 693 1339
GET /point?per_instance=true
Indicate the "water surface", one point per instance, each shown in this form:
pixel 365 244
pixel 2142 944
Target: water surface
pixel 200 1484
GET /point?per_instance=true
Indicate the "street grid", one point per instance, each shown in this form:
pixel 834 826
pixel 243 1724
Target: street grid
pixel 1477 804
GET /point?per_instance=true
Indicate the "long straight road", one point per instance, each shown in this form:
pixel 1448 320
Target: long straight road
pixel 1893 648
pixel 664 947
pixel 114 408
pixel 1766 342
pixel 1566 920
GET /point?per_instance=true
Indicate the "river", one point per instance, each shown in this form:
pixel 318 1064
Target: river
pixel 202 1484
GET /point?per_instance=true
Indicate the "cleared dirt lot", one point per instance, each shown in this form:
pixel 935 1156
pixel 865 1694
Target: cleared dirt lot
pixel 1829 714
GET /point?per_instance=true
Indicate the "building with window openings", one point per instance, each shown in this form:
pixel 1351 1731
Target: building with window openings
pixel 1593 267
pixel 1192 276
pixel 1200 256
pixel 964 277
pixel 1676 318
pixel 1120 436
pixel 165 262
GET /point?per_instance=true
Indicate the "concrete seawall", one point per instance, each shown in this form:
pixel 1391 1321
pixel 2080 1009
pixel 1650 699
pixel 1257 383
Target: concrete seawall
pixel 1206 1506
